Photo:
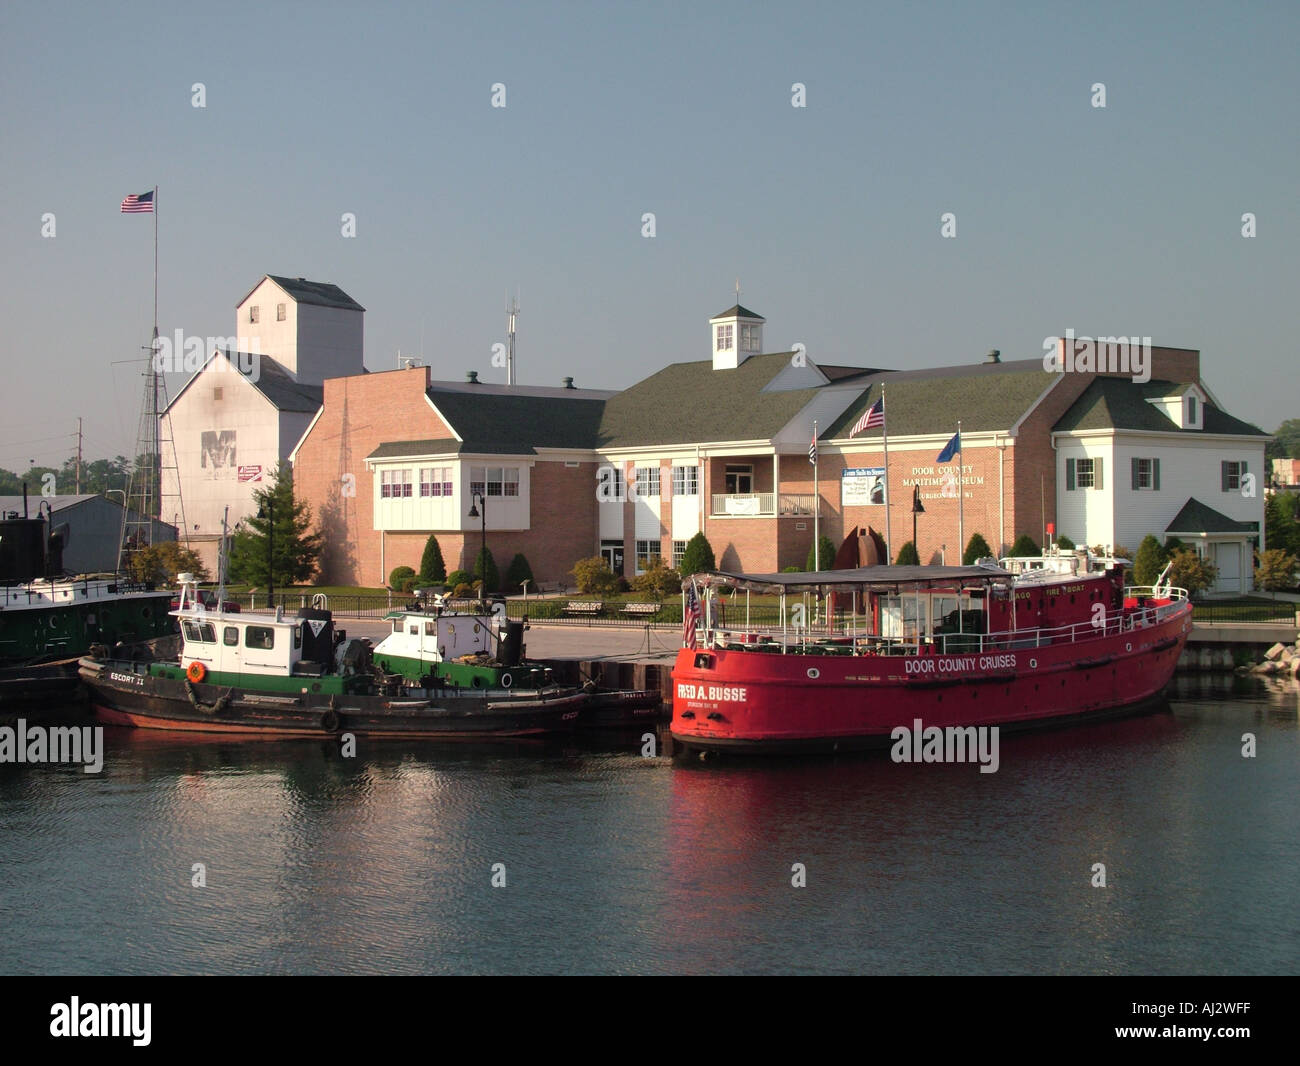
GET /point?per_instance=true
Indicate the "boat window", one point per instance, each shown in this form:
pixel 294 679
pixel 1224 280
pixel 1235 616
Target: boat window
pixel 297 637
pixel 430 629
pixel 230 636
pixel 397 626
pixel 259 637
pixel 207 633
pixel 191 630
pixel 415 631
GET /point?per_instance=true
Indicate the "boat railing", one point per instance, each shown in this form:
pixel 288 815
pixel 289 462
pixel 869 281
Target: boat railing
pixel 1169 600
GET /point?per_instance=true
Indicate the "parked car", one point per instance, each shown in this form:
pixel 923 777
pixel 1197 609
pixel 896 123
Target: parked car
pixel 208 598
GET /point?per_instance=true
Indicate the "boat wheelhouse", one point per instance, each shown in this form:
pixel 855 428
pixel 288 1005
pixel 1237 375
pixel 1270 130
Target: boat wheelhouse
pixel 862 652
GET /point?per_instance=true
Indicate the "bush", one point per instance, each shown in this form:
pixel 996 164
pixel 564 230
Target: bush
pixel 659 580
pixel 1188 570
pixel 907 556
pixel 1065 544
pixel 458 577
pixel 519 572
pixel 433 571
pixel 1025 547
pixel 485 569
pixel 409 584
pixel 545 609
pixel 158 564
pixel 1151 559
pixel 698 556
pixel 827 556
pixel 463 591
pixel 593 575
pixel 1276 570
pixel 976 548
pixel 399 574
pixel 784 570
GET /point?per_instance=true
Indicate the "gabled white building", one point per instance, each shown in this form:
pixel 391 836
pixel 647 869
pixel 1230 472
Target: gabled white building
pixel 243 412
pixel 1162 458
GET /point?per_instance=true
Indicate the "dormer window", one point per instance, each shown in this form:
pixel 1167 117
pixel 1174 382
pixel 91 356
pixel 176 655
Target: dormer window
pixel 725 335
pixel 1191 411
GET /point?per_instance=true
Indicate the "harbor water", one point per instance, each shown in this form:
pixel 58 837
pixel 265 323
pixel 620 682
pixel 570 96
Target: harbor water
pixel 588 857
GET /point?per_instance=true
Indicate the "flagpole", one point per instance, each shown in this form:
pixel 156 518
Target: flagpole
pixel 817 507
pixel 884 435
pixel 961 495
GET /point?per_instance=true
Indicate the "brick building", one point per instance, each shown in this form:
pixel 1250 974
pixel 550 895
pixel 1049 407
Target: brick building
pixel 721 445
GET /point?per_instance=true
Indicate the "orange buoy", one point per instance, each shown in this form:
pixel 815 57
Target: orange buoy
pixel 196 671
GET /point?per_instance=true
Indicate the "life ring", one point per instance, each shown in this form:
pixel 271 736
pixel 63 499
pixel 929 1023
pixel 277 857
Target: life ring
pixel 196 672
pixel 329 721
pixel 507 680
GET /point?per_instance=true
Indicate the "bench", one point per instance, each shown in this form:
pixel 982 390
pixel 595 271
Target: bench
pixel 644 609
pixel 584 607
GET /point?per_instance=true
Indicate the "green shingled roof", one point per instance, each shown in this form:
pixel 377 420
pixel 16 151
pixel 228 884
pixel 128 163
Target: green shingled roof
pixel 1196 517
pixel 399 449
pixel 692 402
pixel 1117 403
pixel 736 311
pixel 985 396
pixel 512 423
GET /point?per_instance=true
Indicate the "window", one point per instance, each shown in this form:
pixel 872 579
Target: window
pixel 740 479
pixel 1191 410
pixel 397 626
pixel 686 481
pixel 494 481
pixel 279 312
pixel 430 629
pixel 394 484
pixel 679 553
pixel 252 313
pixel 1082 474
pixel 262 637
pixel 647 481
pixel 230 636
pixel 435 481
pixel 1146 474
pixel 724 336
pixel 750 338
pixel 1231 475
pixel 297 636
pixel 216 394
pixel 646 550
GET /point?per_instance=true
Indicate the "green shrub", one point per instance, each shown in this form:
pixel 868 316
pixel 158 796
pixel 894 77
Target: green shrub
pixel 827 556
pixel 485 569
pixel 785 570
pixel 1025 547
pixel 907 556
pixel 1151 559
pixel 459 577
pixel 545 608
pixel 698 556
pixel 976 548
pixel 409 584
pixel 593 575
pixel 464 591
pixel 1065 544
pixel 399 574
pixel 1188 570
pixel 519 572
pixel 658 580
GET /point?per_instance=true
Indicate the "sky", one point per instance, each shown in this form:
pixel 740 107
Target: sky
pixel 1125 219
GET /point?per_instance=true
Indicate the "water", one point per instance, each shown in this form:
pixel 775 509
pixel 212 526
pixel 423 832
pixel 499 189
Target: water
pixel 618 864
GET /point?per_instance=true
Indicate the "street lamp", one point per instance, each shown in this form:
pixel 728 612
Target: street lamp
pixel 474 512
pixel 917 508
pixel 266 511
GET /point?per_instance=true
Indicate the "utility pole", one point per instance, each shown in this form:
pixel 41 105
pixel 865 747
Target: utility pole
pixel 78 489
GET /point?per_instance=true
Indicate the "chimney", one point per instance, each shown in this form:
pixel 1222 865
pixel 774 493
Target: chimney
pixel 994 356
pixel 568 383
pixel 471 376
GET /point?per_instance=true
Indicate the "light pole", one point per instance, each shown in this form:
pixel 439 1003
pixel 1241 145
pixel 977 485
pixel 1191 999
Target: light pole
pixel 267 512
pixel 474 512
pixel 917 508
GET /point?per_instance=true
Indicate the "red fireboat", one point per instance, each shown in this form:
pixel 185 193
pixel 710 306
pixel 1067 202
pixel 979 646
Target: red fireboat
pixel 850 656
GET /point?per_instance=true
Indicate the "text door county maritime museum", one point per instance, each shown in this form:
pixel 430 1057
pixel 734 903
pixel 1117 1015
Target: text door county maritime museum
pixel 1117 441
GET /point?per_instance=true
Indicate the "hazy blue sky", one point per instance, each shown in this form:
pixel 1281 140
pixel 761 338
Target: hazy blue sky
pixel 1123 220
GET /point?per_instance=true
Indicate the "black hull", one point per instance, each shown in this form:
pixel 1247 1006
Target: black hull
pixel 24 687
pixel 614 710
pixel 156 703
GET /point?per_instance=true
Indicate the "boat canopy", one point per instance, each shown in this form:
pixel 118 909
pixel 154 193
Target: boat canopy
pixel 878 576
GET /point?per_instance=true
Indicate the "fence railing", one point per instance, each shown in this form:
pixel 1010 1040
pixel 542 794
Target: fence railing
pixel 1251 612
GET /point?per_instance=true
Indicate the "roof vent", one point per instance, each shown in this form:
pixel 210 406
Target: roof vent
pixel 994 356
pixel 568 383
pixel 471 376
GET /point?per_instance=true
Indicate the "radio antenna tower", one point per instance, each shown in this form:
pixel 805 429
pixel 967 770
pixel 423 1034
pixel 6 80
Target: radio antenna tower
pixel 512 309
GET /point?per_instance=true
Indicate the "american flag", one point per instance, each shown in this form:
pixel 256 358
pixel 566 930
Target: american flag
pixel 874 416
pixel 138 204
pixel 812 451
pixel 690 618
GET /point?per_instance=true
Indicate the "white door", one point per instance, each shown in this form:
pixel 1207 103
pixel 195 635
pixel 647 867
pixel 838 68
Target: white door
pixel 1227 557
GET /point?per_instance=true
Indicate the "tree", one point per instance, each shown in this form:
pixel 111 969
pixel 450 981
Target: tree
pixel 1151 559
pixel 907 556
pixel 1276 570
pixel 1189 571
pixel 593 575
pixel 1286 441
pixel 485 569
pixel 1281 530
pixel 159 563
pixel 296 547
pixel 698 556
pixel 1025 547
pixel 827 556
pixel 518 572
pixel 976 548
pixel 433 571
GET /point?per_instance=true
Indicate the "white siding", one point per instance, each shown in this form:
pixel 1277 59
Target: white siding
pixel 415 512
pixel 312 343
pixel 1086 516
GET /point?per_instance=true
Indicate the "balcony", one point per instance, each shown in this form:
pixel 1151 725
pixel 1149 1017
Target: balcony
pixel 762 504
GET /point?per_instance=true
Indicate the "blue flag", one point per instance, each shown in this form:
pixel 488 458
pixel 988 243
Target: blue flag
pixel 950 449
